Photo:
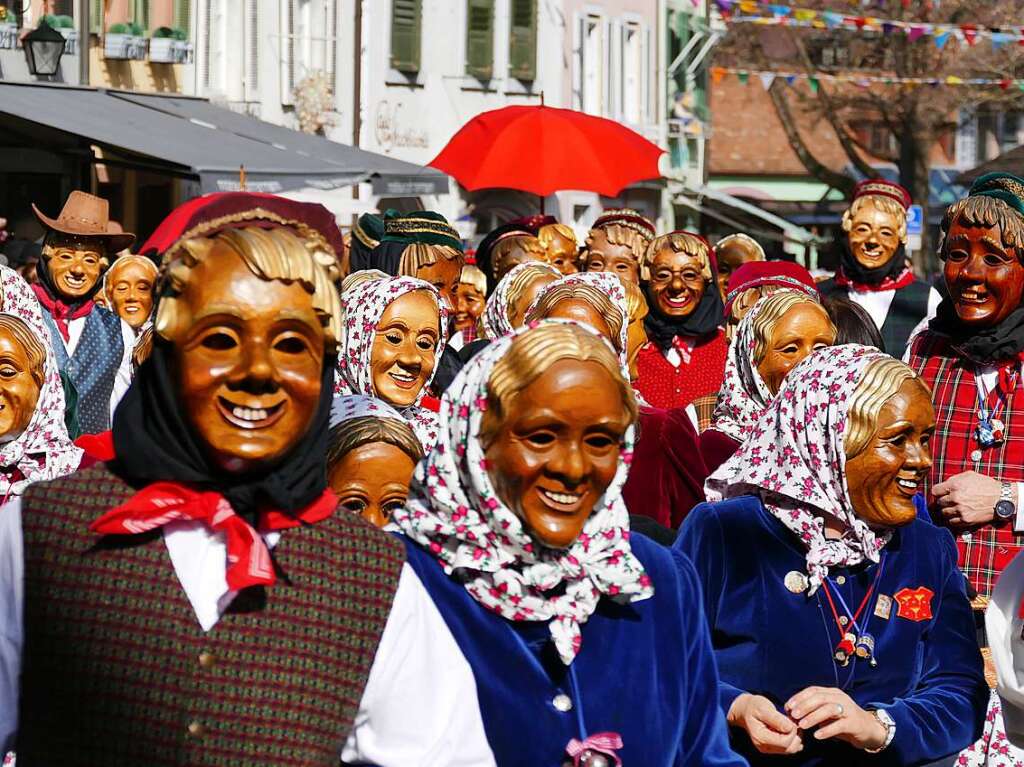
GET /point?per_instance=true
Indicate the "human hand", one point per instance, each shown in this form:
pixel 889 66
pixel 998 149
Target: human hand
pixel 770 731
pixel 968 499
pixel 841 717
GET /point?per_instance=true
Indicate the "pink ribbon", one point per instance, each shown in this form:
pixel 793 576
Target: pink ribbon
pixel 606 743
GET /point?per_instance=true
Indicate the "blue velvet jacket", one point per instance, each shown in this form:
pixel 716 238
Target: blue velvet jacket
pixel 772 642
pixel 646 670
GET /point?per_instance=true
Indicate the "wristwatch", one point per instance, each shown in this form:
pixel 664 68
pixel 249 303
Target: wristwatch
pixel 890 729
pixel 1005 508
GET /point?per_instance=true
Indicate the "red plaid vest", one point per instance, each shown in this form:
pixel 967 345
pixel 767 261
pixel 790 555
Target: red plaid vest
pixel 985 552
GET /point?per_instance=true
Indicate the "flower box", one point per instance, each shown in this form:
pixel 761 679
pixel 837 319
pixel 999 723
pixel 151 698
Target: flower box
pixel 71 38
pixel 117 45
pixel 164 50
pixel 8 35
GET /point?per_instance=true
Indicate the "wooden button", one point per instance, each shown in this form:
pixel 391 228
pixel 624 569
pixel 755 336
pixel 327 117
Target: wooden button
pixel 205 659
pixel 196 729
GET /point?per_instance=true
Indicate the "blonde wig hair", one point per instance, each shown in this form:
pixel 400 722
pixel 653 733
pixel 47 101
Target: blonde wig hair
pixel 617 234
pixel 420 254
pixel 985 211
pixel 122 261
pixel 271 254
pixel 143 348
pixel 532 354
pixel 883 203
pixel 34 349
pixel 358 278
pixel 636 304
pixel 524 242
pixel 356 432
pixel 474 278
pixel 879 382
pixel 580 291
pixel 547 233
pixel 744 241
pixel 774 308
pixel 677 242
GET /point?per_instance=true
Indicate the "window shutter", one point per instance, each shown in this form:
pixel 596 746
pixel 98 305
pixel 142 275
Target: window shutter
pixel 206 51
pixel 140 13
pixel 522 53
pixel 96 21
pixel 405 35
pixel 252 47
pixel 480 38
pixel 182 16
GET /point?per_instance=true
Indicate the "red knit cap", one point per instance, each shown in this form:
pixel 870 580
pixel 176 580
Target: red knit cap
pixel 781 274
pixel 881 188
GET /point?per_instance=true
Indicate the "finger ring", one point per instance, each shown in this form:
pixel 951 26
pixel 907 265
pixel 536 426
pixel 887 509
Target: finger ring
pixel 839 709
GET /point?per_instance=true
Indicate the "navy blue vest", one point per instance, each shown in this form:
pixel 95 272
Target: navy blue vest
pixel 93 367
pixel 909 306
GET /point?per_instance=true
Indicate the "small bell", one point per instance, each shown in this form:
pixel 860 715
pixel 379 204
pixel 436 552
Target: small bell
pixel 845 649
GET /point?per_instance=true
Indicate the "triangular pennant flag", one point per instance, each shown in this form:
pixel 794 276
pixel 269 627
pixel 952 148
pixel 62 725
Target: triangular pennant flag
pixel 941 40
pixel 915 33
pixel 717 75
pixel 887 27
pixel 805 14
pixel 954 80
pixel 743 77
pixel 1004 84
pixel 790 79
pixel 748 6
pixel 999 39
pixel 832 20
pixel 813 82
pixel 970 33
pixel 859 22
pixel 780 10
pixel 1020 85
pixel 767 78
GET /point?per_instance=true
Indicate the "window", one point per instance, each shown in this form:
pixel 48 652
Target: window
pixel 593 65
pixel 405 35
pixel 633 71
pixel 522 46
pixel 212 62
pixel 480 38
pixel 250 48
pixel 183 16
pixel 310 45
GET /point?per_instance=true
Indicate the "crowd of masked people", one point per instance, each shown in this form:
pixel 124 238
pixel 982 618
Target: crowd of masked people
pixel 272 495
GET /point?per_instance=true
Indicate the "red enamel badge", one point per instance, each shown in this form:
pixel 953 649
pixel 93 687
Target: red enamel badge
pixel 914 604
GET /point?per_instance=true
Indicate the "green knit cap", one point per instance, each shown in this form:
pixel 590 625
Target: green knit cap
pixel 369 229
pixel 1002 186
pixel 423 226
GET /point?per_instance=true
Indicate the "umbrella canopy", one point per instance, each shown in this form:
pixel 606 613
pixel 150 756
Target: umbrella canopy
pixel 542 150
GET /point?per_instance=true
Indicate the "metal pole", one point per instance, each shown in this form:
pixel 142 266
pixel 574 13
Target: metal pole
pixel 82 14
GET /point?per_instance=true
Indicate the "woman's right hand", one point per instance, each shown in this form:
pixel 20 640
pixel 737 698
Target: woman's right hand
pixel 771 731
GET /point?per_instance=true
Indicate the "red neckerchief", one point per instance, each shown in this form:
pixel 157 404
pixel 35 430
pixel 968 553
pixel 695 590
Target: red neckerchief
pixel 249 562
pixel 98 447
pixel 60 311
pixel 905 278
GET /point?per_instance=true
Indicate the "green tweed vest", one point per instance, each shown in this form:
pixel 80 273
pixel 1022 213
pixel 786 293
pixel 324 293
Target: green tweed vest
pixel 117 671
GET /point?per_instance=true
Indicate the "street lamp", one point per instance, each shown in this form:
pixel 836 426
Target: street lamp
pixel 43 48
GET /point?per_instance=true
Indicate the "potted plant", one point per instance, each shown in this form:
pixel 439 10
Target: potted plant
pixel 161 47
pixel 116 42
pixel 137 41
pixel 182 47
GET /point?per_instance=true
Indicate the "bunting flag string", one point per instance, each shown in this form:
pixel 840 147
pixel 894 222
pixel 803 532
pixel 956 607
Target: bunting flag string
pixel 767 77
pixel 770 14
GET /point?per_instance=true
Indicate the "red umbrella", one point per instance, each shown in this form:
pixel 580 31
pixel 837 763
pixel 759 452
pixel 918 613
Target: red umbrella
pixel 541 150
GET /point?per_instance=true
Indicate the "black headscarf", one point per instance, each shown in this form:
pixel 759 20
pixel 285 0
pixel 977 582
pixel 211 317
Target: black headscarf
pixel 366 236
pixel 856 272
pixel 988 346
pixel 153 442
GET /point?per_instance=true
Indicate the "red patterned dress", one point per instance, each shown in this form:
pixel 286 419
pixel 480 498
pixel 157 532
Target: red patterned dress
pixel 951 377
pixel 699 371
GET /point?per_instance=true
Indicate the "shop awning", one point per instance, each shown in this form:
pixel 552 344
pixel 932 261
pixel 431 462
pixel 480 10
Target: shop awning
pixel 192 137
pixel 697 199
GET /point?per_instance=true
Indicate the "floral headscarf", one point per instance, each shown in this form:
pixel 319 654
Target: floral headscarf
pixel 44 450
pixel 454 512
pixel 744 395
pixel 495 319
pixel 611 286
pixel 358 406
pixel 364 305
pixel 795 460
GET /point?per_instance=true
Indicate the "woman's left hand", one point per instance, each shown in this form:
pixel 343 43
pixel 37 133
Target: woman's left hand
pixel 835 715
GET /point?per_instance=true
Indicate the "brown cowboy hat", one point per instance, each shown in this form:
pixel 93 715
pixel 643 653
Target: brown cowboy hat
pixel 85 215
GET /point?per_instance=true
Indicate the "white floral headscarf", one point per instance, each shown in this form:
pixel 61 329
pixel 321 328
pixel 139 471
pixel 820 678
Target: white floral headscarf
pixel 359 406
pixel 44 450
pixel 364 305
pixel 744 395
pixel 795 460
pixel 611 286
pixel 495 319
pixel 454 512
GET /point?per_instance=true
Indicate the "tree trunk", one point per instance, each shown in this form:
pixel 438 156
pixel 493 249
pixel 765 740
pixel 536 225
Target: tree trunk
pixel 914 167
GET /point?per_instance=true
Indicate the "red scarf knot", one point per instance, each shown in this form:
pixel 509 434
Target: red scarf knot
pixel 902 280
pixel 248 558
pixel 60 311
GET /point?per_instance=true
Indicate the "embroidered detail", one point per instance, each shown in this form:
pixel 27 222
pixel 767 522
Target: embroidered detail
pixel 914 604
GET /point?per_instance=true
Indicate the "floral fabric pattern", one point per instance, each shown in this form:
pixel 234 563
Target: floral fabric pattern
pixel 454 512
pixel 744 395
pixel 495 319
pixel 44 450
pixel 364 305
pixel 795 460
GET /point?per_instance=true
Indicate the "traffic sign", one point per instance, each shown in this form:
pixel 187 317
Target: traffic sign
pixel 915 219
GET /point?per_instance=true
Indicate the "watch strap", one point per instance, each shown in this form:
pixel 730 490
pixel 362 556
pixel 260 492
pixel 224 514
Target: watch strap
pixel 887 722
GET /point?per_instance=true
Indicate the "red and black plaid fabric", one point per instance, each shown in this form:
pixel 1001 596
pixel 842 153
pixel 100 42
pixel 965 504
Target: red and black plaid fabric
pixel 986 551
